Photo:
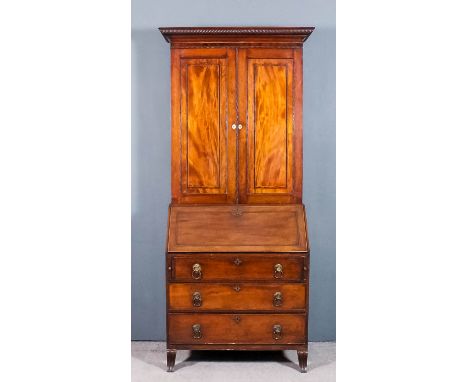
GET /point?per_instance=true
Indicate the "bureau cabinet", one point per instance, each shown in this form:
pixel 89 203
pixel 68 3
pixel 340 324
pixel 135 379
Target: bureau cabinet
pixel 237 256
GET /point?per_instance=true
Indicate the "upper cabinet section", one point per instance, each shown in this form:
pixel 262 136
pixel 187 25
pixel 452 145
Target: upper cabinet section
pixel 236 99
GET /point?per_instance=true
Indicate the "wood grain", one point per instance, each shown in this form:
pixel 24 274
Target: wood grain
pixel 204 143
pixel 212 163
pixel 236 296
pixel 252 267
pixel 270 130
pixel 226 329
pixel 297 127
pixel 204 127
pixel 267 154
pixel 202 155
pixel 241 228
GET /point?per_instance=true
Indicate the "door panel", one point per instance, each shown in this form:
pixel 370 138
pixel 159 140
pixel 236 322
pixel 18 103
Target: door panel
pixel 201 145
pixel 267 145
pixel 204 127
pixel 268 107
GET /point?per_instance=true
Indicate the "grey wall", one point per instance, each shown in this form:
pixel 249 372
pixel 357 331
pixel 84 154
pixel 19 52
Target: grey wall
pixel 151 144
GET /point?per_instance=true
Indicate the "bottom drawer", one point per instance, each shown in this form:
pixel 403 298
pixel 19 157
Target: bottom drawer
pixel 231 328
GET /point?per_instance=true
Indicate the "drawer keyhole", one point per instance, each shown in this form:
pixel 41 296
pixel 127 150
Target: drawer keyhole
pixel 238 261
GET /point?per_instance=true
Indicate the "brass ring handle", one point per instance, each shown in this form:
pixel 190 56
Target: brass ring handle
pixel 278 271
pixel 196 299
pixel 196 271
pixel 277 332
pixel 196 331
pixel 277 299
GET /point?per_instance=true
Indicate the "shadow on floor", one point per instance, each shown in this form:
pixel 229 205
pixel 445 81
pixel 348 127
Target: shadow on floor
pixel 236 356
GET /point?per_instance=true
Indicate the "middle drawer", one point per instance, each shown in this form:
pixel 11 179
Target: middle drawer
pixel 240 296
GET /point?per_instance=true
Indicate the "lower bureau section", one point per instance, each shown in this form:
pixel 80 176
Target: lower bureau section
pixel 230 328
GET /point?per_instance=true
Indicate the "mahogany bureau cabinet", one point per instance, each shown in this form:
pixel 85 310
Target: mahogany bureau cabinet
pixel 237 260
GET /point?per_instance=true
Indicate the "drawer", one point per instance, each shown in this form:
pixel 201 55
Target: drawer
pixel 218 267
pixel 204 328
pixel 205 296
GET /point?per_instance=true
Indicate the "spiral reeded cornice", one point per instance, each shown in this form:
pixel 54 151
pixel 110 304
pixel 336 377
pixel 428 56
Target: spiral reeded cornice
pixel 302 32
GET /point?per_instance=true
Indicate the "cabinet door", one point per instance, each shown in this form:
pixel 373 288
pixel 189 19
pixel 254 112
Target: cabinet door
pixel 270 145
pixel 203 144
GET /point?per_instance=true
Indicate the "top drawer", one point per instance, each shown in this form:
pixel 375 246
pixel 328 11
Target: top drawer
pixel 218 267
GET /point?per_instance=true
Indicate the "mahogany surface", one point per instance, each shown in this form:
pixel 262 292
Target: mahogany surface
pixel 242 228
pixel 270 148
pixel 214 89
pixel 238 296
pixel 237 259
pixel 238 267
pixel 236 328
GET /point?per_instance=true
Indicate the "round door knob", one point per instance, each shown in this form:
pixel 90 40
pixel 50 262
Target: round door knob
pixel 239 126
pixel 233 126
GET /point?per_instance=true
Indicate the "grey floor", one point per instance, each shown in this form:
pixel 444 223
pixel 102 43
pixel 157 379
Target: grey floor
pixel 149 364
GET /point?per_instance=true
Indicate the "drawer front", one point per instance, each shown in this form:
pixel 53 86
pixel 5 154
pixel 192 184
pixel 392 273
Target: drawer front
pixel 197 296
pixel 231 328
pixel 197 267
